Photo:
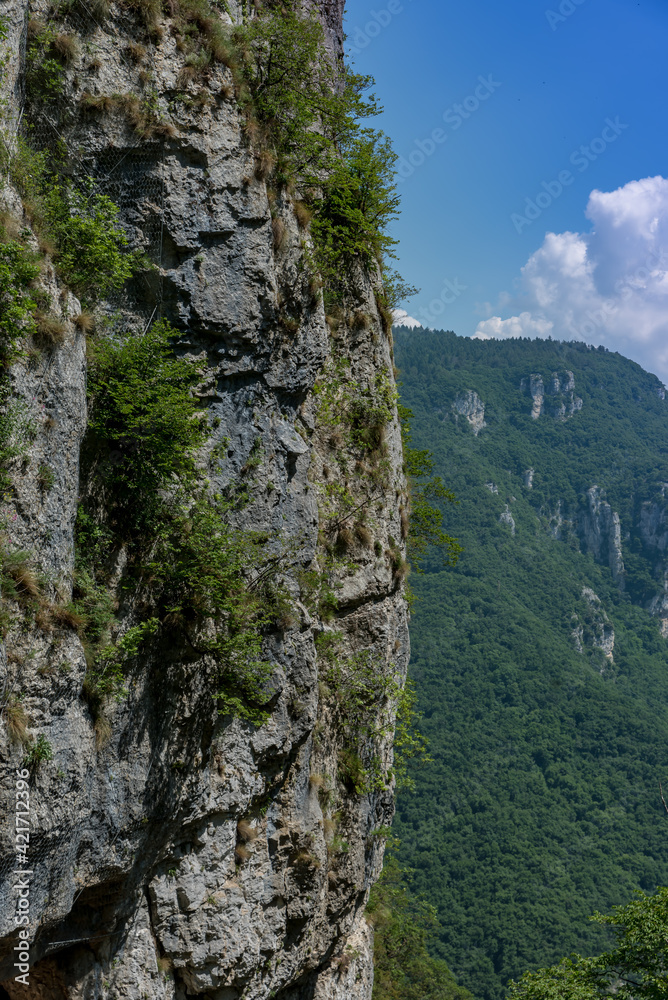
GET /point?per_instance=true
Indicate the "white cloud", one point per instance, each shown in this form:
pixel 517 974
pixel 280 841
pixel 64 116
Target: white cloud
pixel 401 318
pixel 608 286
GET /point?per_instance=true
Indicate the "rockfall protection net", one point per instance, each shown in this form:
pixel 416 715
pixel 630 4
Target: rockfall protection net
pixel 130 174
pixel 60 835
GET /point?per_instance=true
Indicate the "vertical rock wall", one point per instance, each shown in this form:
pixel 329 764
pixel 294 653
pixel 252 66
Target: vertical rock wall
pixel 190 855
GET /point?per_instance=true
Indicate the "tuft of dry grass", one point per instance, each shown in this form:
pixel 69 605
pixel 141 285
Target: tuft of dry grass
pixel 65 617
pixel 305 859
pixel 405 523
pixel 265 162
pixel 16 721
pixel 103 103
pixel 400 567
pixel 95 10
pixel 19 581
pixel 136 52
pixel 303 214
pixel 46 244
pixel 102 731
pixel 364 535
pixel 329 826
pixel 36 27
pixel 345 540
pixel 290 324
pixel 43 619
pixel 361 320
pixel 386 319
pixel 241 853
pixel 246 832
pixel 186 75
pixel 50 330
pixel 66 48
pixel 279 231
pixel 10 227
pixel 85 321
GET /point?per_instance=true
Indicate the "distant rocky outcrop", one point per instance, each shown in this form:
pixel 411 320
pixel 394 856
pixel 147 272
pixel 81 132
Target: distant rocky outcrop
pixel 469 404
pixel 557 399
pixel 507 518
pixel 600 533
pixel 592 627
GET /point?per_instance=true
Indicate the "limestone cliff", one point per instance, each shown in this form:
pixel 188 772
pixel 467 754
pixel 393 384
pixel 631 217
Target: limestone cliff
pixel 188 854
pixel 557 399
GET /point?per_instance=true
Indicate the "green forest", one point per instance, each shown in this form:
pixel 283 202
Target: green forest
pixel 541 803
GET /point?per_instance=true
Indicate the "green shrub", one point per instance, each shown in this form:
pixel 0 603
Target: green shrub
pixel 187 561
pixel 79 227
pixel 18 271
pixel 425 520
pixel 636 967
pixel 306 113
pixel 91 254
pixel 45 62
pixel 145 427
pixel 38 752
pixel 404 925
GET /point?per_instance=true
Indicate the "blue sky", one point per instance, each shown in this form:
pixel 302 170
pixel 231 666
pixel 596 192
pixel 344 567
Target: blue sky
pixel 560 75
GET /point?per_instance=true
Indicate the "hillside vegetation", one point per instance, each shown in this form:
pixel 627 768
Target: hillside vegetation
pixel 542 801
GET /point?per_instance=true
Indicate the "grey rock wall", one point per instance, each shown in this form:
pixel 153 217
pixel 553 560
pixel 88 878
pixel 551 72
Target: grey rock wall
pixel 184 854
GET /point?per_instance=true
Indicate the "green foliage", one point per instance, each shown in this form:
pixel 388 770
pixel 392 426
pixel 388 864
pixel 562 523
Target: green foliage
pixel 426 520
pixel 18 271
pixel 362 698
pixel 362 412
pixel 403 926
pixel 91 254
pixel 80 227
pixel 38 752
pixel 541 804
pixel 145 426
pixel 306 113
pixel 45 67
pixel 359 203
pixel 637 967
pixel 189 563
pixel 409 742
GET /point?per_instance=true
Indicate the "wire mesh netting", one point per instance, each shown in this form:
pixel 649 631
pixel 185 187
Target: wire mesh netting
pixel 129 173
pixel 132 176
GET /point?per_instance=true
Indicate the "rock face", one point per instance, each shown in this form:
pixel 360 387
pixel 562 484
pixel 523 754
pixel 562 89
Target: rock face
pixel 600 532
pixel 507 518
pixel 556 399
pixel 470 405
pixel 592 627
pixel 189 855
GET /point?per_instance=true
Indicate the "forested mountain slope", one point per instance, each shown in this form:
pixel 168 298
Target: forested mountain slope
pixel 539 659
